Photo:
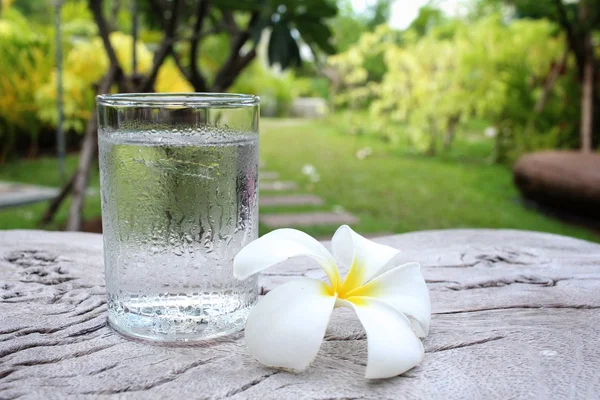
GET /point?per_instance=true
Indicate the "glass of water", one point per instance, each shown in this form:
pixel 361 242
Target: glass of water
pixel 178 176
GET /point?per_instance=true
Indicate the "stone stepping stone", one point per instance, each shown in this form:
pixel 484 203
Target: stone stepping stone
pixel 307 219
pixel 268 175
pixel 291 200
pixel 16 194
pixel 278 186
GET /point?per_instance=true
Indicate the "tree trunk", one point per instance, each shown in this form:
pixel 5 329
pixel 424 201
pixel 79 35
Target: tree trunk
pixel 114 13
pixel 57 201
pixel 7 143
pixel 543 99
pixel 550 81
pixel 33 145
pixel 451 131
pixel 431 150
pixel 86 156
pixel 587 101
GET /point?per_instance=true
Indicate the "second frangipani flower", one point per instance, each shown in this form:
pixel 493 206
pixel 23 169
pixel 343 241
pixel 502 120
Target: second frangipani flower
pixel 286 328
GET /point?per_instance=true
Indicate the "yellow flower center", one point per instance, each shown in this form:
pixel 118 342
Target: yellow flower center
pixel 352 286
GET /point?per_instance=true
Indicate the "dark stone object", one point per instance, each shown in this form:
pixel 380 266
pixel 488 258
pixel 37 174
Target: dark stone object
pixel 566 180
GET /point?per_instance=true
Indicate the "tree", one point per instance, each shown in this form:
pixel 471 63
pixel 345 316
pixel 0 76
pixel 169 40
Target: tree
pixel 578 19
pixel 427 18
pixel 378 13
pixel 190 23
pixel 488 69
pixel 349 25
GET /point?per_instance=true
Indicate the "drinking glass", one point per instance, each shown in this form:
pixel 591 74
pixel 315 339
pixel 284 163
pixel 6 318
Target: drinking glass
pixel 178 177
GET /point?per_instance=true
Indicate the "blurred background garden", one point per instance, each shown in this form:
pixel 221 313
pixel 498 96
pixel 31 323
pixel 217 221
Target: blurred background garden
pixel 393 116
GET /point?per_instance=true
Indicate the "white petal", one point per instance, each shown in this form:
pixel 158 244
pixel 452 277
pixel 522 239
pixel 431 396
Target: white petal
pixel 404 289
pixel 278 246
pixel 392 345
pixel 364 257
pixel 286 328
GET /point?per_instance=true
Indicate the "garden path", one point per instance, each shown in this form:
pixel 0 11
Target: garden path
pixel 16 194
pixel 276 194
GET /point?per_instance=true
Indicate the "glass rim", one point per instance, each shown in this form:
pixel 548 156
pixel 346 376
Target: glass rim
pixel 178 99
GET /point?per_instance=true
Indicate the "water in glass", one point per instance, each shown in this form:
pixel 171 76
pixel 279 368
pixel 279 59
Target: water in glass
pixel 177 206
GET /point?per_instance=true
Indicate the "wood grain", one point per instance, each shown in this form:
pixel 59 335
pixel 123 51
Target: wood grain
pixel 515 315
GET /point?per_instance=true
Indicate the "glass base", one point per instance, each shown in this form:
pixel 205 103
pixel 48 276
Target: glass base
pixel 177 328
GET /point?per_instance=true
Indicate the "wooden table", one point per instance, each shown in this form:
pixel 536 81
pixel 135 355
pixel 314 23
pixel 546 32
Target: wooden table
pixel 515 315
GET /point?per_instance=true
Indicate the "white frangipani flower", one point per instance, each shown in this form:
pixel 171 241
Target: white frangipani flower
pixel 286 328
pixel 308 169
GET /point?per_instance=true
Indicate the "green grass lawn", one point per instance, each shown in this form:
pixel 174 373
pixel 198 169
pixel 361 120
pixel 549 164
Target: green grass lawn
pixel 392 190
pixel 44 171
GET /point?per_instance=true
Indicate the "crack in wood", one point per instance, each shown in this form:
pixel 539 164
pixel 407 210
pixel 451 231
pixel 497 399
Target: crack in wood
pixel 20 347
pixel 32 363
pixel 20 299
pixel 334 338
pixel 70 310
pixel 288 385
pixel 10 331
pixel 250 384
pixel 41 331
pixel 151 385
pixel 78 354
pixel 28 258
pixel 99 304
pixel 104 369
pixel 339 357
pixel 91 351
pixel 495 257
pixel 58 296
pixel 21 332
pixel 525 280
pixel 464 344
pixel 345 398
pixel 7 372
pixel 88 296
pixel 440 281
pixel 51 282
pixel 12 295
pixel 522 306
pixel 88 330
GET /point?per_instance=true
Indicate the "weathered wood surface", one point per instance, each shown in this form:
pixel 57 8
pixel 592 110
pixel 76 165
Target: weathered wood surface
pixel 515 315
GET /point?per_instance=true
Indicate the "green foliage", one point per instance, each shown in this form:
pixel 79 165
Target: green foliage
pixel 349 25
pixel 378 13
pixel 36 11
pixel 511 79
pixel 84 65
pixel 24 67
pixel 283 49
pixel 422 88
pixel 361 67
pixel 287 20
pixel 346 31
pixel 454 72
pixel 276 90
pixel 77 20
pixel 28 79
pixel 428 18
